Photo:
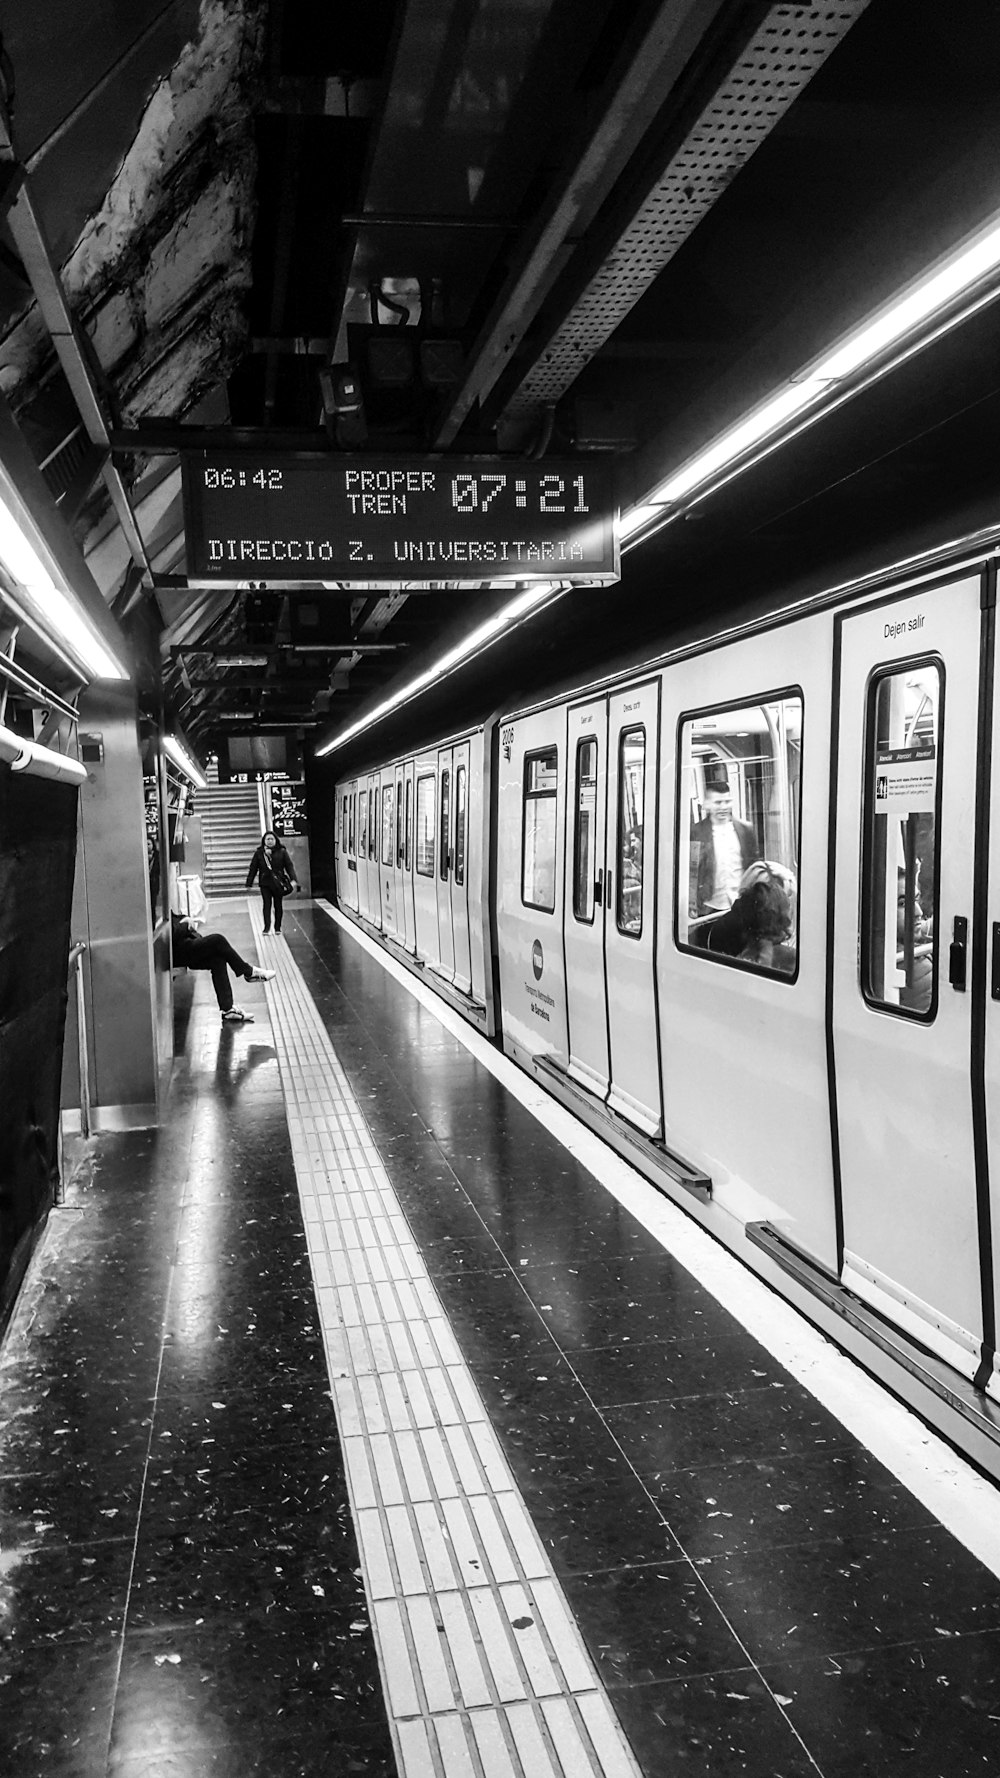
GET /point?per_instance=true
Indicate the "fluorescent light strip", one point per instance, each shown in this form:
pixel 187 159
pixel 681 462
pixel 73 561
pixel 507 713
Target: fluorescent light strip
pixel 895 325
pixel 60 617
pixel 183 760
pixel 478 639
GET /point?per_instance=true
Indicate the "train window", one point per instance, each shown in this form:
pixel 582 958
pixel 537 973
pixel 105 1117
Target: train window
pixel 408 861
pixel 351 828
pixel 445 821
pixel 585 836
pixel 399 823
pixel 631 816
pixel 538 856
pixel 388 823
pixel 460 796
pixel 899 943
pixel 738 824
pixel 362 826
pixel 343 825
pixel 426 824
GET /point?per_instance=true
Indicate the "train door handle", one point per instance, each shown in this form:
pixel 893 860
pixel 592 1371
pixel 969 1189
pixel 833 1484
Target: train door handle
pixel 957 953
pixel 599 889
pixel 995 970
pixel 608 875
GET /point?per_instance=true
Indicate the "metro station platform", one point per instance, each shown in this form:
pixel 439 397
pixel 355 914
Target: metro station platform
pixel 371 1416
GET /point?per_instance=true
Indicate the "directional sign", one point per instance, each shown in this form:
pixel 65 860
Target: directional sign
pixel 374 519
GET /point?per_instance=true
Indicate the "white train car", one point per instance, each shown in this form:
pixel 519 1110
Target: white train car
pixel 744 904
pixel 411 852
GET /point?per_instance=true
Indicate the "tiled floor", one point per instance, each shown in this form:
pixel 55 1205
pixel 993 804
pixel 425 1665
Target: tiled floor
pixel 181 1573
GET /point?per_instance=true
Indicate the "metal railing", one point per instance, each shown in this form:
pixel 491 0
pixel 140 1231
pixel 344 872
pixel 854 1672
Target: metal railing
pixel 83 1054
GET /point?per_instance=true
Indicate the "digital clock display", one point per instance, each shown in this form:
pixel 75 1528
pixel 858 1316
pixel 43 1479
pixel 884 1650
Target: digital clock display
pixel 376 519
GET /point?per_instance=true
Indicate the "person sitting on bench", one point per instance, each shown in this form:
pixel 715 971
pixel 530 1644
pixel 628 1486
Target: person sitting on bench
pixel 212 950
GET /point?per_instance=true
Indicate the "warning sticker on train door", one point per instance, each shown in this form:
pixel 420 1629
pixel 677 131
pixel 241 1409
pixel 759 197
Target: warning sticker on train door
pixel 905 780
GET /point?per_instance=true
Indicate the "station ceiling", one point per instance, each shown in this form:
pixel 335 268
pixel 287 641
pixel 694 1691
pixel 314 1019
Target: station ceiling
pixel 619 225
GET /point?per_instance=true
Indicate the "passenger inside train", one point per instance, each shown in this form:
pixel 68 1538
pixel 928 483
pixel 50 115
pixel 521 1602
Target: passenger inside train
pixel 742 771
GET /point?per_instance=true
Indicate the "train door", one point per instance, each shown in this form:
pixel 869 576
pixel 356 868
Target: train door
pixel 904 971
pixel 409 910
pixel 630 905
pixel 374 835
pixel 425 859
pixel 460 869
pixel 586 992
pixel 362 859
pixel 387 849
pixel 397 866
pixel 446 936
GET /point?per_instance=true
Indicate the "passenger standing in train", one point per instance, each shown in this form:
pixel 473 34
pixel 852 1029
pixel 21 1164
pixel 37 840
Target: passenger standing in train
pixel 721 850
pixel 277 877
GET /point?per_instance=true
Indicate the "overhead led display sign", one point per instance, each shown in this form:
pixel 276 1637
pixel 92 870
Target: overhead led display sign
pixel 372 519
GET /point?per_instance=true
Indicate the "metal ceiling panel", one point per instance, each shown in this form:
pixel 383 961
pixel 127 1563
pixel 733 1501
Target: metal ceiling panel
pixel 775 66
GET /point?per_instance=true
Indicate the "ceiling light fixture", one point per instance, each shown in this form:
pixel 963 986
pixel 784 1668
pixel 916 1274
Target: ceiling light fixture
pixel 182 759
pixel 539 593
pixel 59 619
pixel 940 299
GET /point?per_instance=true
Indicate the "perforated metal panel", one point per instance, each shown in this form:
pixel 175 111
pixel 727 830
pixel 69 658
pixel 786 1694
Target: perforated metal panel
pixel 776 65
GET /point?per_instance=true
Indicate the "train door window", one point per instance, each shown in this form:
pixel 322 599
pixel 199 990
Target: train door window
pixel 371 823
pixel 538 854
pixel 461 776
pixel 631 816
pixel 409 826
pixel 362 826
pixel 388 823
pixel 739 818
pixel 351 830
pixel 585 836
pixel 445 821
pixel 343 825
pixel 399 824
pixel 426 824
pixel 899 962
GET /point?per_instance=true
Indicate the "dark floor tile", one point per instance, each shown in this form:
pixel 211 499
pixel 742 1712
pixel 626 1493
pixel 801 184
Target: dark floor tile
pixel 717 1725
pixel 765 1421
pixel 77 1505
pixel 491 1316
pixel 786 1500
pixel 65 1593
pixel 215 1489
pixel 294 1409
pixel 665 1370
pixel 304 1698
pixel 56 1709
pixel 536 1383
pixel 851 1593
pixel 651 1622
pixel 548 1454
pixel 600 1524
pixel 928 1709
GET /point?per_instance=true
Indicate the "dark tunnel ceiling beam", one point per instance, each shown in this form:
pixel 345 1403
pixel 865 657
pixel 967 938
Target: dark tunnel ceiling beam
pixel 586 181
pixel 774 64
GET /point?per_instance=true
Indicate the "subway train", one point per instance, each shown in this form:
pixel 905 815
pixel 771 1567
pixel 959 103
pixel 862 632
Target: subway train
pixel 739 906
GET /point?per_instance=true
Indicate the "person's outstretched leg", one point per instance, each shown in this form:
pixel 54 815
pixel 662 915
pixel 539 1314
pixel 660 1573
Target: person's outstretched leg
pixel 215 947
pixel 278 901
pixel 266 897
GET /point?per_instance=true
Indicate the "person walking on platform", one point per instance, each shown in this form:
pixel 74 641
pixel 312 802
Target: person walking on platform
pixel 212 950
pixel 277 877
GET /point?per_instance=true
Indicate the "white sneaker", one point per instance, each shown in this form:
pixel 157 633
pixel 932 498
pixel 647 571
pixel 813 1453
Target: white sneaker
pixel 236 1016
pixel 262 975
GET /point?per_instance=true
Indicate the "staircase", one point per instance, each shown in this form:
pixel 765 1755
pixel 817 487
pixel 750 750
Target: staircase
pixel 231 827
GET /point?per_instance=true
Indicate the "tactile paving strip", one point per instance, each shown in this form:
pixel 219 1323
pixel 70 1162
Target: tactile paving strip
pixel 485 1672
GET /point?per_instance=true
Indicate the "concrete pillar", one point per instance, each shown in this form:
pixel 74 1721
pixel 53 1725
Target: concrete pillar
pixel 127 975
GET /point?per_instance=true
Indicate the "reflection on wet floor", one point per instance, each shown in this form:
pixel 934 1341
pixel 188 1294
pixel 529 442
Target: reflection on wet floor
pixel 179 1582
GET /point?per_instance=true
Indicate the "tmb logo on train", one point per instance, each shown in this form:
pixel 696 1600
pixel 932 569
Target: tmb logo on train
pixel 537 960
